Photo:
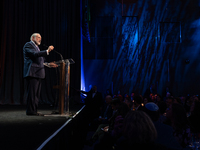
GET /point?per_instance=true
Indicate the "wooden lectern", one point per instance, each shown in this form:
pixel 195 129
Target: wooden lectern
pixel 64 85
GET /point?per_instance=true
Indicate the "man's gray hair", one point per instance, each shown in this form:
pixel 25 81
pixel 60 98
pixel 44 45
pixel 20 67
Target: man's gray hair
pixel 34 35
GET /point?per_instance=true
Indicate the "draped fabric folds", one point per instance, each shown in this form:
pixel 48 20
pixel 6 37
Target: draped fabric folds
pixel 58 22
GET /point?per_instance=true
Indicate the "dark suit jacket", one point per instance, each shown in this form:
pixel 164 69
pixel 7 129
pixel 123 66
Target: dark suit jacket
pixel 165 136
pixel 96 101
pixel 141 108
pixel 107 112
pixel 33 61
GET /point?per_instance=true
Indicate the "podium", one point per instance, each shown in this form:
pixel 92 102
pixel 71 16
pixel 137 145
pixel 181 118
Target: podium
pixel 64 83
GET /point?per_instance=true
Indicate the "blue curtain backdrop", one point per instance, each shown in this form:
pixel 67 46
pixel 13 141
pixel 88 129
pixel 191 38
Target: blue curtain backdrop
pixel 136 43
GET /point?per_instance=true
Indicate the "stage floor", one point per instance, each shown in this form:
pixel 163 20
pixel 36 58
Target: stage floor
pixel 19 131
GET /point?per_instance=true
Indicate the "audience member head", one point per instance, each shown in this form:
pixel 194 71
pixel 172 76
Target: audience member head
pixel 138 128
pixel 115 103
pixel 120 97
pixel 177 116
pixel 114 96
pixel 152 97
pixel 190 100
pixel 169 101
pixel 195 108
pixel 146 100
pixel 195 98
pixel 108 99
pixel 132 96
pixel 94 89
pixel 168 94
pixel 177 100
pixel 123 109
pixel 125 95
pixel 108 92
pixel 158 98
pixel 137 100
pixel 152 110
pixel 182 99
pixel 162 107
pixel 128 101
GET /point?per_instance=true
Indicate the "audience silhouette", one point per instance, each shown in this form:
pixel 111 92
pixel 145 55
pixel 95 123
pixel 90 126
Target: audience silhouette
pixel 149 122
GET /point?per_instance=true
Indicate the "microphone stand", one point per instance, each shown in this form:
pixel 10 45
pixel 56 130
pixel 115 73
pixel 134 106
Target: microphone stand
pixel 60 55
pixel 56 52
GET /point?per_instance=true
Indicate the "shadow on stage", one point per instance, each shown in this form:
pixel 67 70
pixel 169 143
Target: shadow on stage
pixel 51 131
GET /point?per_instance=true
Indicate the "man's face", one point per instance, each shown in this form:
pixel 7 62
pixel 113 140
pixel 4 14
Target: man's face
pixel 37 39
pixel 145 100
pixel 94 88
pixel 168 102
pixel 108 100
pixel 114 107
pixel 169 112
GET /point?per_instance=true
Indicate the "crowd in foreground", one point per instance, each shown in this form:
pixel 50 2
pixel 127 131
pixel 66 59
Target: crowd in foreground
pixel 149 122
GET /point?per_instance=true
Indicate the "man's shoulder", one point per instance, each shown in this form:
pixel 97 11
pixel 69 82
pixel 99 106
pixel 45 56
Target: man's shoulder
pixel 163 126
pixel 28 44
pixel 99 92
pixel 141 108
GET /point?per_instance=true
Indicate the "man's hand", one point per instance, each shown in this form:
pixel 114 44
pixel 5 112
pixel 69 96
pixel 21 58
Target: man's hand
pixel 50 48
pixel 106 128
pixel 53 65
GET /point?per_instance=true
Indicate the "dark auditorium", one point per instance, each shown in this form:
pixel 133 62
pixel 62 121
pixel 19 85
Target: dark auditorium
pixel 100 75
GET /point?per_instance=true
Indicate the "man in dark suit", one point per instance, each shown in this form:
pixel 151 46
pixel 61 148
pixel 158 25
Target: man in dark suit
pixel 164 132
pixel 34 71
pixel 138 102
pixel 93 102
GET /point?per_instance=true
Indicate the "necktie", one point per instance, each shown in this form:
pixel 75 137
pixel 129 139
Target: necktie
pixel 38 48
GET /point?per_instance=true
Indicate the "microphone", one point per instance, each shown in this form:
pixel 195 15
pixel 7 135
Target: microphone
pixel 56 52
